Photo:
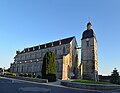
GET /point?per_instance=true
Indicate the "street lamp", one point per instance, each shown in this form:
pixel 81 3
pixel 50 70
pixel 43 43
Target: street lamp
pixel 3 71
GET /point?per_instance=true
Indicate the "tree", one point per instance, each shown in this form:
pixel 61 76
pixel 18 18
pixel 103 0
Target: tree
pixel 115 77
pixel 49 66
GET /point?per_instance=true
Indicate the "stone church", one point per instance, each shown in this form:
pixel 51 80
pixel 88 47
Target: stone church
pixel 30 59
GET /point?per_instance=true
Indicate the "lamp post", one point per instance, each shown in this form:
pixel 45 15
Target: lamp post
pixel 3 71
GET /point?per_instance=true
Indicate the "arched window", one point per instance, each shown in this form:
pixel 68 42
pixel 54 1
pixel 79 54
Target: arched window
pixel 87 43
pixel 63 50
pixel 55 51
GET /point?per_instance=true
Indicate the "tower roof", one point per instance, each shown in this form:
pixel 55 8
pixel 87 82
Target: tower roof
pixel 89 24
pixel 88 33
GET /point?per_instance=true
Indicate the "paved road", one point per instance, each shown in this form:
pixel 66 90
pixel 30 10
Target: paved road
pixel 18 86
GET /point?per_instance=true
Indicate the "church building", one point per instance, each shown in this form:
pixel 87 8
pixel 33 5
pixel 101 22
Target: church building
pixel 30 59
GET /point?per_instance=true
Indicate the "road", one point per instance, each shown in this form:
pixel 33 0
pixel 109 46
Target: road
pixel 18 86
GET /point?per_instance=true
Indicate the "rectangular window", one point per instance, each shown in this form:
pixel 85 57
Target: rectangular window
pixel 55 51
pixel 87 43
pixel 63 50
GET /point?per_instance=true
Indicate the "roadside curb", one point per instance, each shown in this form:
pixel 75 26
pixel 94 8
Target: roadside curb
pixel 49 84
pixel 89 86
pixel 28 79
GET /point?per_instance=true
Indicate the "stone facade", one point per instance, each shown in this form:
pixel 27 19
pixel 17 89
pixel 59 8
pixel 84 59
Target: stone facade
pixel 89 56
pixel 66 50
pixel 30 59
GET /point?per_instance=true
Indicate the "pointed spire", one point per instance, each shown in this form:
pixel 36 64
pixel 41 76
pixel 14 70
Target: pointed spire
pixel 89 26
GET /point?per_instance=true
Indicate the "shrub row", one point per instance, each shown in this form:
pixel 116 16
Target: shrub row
pixel 10 73
pixel 29 75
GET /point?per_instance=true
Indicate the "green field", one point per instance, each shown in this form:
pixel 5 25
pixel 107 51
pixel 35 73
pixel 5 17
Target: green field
pixel 90 82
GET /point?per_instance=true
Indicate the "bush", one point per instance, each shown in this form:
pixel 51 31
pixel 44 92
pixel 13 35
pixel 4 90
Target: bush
pixel 29 75
pixel 38 76
pixel 51 77
pixel 21 75
pixel 10 73
pixel 25 75
pixel 33 76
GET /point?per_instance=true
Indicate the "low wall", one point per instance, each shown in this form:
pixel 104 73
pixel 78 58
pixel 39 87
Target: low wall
pixel 28 79
pixel 89 86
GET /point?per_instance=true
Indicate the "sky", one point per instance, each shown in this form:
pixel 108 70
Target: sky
pixel 26 23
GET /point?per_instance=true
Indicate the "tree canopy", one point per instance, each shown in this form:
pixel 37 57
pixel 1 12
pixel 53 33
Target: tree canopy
pixel 49 65
pixel 115 77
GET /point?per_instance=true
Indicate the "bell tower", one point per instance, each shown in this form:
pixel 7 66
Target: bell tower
pixel 89 57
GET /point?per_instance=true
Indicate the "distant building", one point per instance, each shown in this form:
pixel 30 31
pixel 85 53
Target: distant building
pixel 104 78
pixel 1 70
pixel 30 59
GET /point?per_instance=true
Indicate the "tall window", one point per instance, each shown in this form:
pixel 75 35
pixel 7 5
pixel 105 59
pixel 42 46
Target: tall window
pixel 87 43
pixel 55 51
pixel 63 50
pixel 22 69
pixel 57 65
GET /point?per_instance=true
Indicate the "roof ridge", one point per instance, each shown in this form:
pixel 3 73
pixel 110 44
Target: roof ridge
pixel 51 44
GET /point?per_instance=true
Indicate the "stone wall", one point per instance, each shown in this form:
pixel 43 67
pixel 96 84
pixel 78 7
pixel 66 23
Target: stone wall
pixel 89 59
pixel 90 86
pixel 28 79
pixel 31 61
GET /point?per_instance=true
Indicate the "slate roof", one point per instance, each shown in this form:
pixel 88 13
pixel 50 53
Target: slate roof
pixel 50 44
pixel 89 24
pixel 88 34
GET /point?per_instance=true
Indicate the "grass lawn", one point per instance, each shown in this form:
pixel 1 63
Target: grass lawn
pixel 90 82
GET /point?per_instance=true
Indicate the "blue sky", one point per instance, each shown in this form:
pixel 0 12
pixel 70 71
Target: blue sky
pixel 25 23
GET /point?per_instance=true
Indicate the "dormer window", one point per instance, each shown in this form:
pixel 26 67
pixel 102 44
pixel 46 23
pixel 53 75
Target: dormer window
pixel 33 48
pixel 52 43
pixel 39 47
pixel 45 45
pixel 59 42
